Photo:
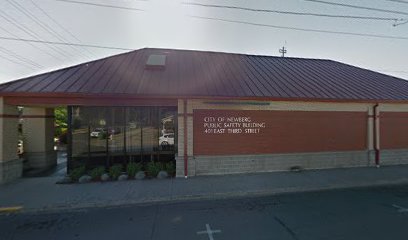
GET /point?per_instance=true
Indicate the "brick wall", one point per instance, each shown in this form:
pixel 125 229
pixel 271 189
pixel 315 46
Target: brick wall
pixel 10 166
pixel 355 148
pixel 265 131
pixel 38 132
pixel 394 130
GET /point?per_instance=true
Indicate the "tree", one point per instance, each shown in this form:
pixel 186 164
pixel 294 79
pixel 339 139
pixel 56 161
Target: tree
pixel 61 120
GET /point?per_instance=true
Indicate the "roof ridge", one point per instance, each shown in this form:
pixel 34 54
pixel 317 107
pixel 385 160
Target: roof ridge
pixel 230 53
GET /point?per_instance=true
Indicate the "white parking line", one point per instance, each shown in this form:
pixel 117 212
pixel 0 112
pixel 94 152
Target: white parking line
pixel 400 209
pixel 209 232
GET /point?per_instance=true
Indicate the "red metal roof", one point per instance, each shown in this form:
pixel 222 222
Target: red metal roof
pixel 213 74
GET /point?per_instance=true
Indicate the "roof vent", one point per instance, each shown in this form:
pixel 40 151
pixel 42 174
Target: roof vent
pixel 156 61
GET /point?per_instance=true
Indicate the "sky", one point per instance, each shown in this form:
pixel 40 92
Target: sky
pixel 182 24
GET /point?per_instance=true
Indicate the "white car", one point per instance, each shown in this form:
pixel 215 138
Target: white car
pixel 166 139
pixel 97 132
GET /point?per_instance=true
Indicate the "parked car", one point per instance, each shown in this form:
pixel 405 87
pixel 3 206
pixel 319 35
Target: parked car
pixel 166 139
pixel 97 132
pixel 114 130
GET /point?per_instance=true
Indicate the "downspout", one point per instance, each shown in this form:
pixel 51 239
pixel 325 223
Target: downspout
pixel 376 135
pixel 185 136
pixel 69 136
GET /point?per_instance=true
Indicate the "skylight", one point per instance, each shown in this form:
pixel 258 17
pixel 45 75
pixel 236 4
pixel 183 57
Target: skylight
pixel 156 61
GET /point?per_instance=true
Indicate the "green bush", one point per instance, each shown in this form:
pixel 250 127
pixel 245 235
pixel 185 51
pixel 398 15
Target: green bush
pixel 170 168
pixel 132 168
pixel 103 135
pixel 153 168
pixel 115 171
pixel 76 173
pixel 97 172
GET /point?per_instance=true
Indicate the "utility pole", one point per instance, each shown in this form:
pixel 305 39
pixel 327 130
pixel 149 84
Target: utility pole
pixel 283 51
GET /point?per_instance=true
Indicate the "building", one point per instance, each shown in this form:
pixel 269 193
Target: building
pixel 213 113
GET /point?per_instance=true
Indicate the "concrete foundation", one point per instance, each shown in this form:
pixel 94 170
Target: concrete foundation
pixel 218 165
pixel 11 170
pixel 394 157
pixel 191 166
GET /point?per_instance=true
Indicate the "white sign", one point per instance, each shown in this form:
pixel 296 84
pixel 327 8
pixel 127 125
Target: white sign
pixel 232 125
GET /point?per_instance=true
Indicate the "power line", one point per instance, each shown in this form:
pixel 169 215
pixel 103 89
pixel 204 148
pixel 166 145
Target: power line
pixel 292 13
pixel 31 44
pixel 64 43
pixel 41 24
pixel 16 62
pixel 19 57
pixel 398 1
pixel 30 32
pixel 60 26
pixel 358 7
pixel 101 5
pixel 304 29
pixel 10 20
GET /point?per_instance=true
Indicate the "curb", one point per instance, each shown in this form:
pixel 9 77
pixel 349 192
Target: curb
pixel 12 209
pixel 199 197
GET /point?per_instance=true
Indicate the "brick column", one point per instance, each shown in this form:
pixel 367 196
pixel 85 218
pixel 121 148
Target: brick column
pixel 370 136
pixel 11 167
pixel 185 122
pixel 38 132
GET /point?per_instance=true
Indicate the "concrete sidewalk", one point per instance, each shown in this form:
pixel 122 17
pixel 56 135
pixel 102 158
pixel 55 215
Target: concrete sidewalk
pixel 42 194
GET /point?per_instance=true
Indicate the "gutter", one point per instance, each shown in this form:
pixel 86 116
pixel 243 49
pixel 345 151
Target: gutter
pixel 185 137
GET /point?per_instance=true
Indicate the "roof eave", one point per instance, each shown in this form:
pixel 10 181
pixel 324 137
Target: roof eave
pixel 63 98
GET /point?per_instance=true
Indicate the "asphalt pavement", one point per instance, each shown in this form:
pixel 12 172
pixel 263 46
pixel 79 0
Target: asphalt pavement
pixel 42 194
pixel 359 213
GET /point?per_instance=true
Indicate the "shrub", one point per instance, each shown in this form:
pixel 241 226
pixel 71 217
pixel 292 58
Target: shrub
pixel 103 135
pixel 97 172
pixel 170 168
pixel 76 173
pixel 153 168
pixel 115 171
pixel 132 168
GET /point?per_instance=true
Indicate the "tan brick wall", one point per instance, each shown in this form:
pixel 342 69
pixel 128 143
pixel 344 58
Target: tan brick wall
pixel 8 132
pixel 38 129
pixel 38 132
pixel 279 105
pixel 389 107
pixel 10 166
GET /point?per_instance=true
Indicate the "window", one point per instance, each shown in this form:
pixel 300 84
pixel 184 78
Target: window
pixel 110 135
